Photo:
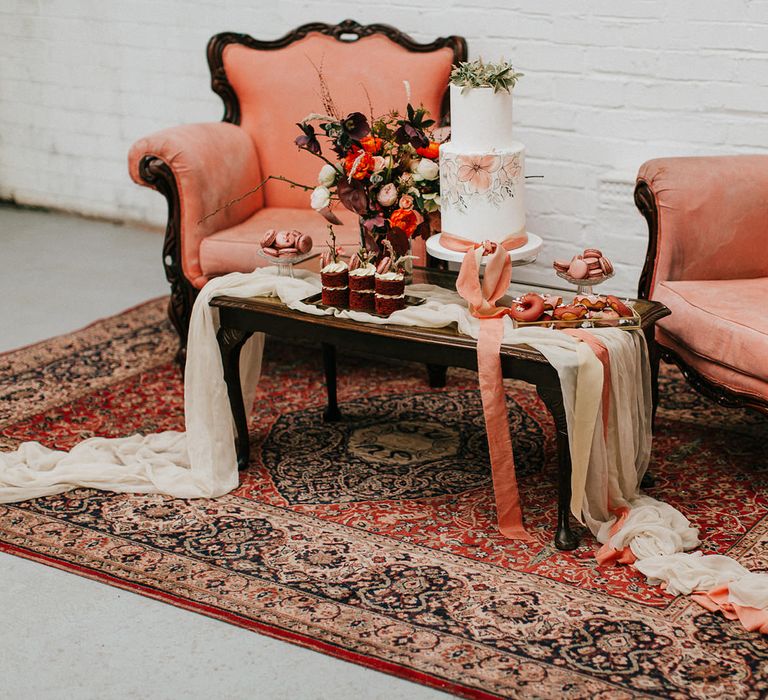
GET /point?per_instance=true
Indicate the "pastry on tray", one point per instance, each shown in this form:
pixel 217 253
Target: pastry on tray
pixel 362 282
pixel 334 276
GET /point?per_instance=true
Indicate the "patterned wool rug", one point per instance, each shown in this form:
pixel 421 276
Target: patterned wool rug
pixel 373 539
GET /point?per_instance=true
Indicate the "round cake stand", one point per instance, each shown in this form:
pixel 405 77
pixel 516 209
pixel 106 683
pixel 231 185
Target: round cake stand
pixel 584 286
pixel 519 256
pixel 285 265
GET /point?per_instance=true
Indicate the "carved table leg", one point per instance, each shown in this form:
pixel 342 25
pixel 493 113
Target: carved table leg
pixel 437 375
pixel 331 413
pixel 552 397
pixel 231 341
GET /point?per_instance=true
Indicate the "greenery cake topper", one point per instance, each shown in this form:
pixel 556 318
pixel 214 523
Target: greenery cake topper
pixel 500 76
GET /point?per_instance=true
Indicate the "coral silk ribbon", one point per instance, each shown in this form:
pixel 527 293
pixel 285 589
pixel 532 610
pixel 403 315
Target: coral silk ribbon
pixel 481 300
pixel 462 245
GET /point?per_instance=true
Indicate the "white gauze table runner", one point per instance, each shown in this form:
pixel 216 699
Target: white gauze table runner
pixel 201 462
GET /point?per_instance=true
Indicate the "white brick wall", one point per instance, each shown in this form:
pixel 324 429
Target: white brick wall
pixel 609 84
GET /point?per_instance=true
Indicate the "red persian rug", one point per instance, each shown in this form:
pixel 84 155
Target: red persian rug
pixel 373 539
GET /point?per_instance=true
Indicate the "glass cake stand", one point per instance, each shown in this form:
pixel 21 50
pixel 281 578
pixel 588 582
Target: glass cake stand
pixel 285 264
pixel 584 286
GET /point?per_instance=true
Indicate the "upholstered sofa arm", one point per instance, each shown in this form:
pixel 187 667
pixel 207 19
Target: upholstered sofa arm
pixel 707 216
pixel 199 168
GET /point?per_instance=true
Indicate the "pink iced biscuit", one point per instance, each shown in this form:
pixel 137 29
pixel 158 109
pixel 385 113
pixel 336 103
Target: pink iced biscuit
pixel 593 253
pixel 268 239
pixel 304 243
pixel 270 251
pixel 383 266
pixel 606 266
pixel 286 252
pixel 578 269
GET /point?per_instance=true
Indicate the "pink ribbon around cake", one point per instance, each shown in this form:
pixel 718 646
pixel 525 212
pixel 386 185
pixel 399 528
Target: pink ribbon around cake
pixel 462 245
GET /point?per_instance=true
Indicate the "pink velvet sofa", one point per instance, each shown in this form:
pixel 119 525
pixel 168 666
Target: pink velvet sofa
pixel 708 263
pixel 267 87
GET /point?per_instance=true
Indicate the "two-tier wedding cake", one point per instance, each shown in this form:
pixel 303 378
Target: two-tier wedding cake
pixel 482 193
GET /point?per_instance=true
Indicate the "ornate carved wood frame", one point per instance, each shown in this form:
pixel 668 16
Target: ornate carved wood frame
pixel 645 200
pixel 157 174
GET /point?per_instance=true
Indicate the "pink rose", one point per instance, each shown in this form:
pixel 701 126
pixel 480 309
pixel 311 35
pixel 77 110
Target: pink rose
pixel 387 195
pixel 406 202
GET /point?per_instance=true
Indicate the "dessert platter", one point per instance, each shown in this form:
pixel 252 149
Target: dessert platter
pixel 583 311
pixel 359 285
pixel 585 270
pixel 285 249
pixel 482 180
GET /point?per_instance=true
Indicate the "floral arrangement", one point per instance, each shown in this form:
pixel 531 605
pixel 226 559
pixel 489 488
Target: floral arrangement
pixel 383 169
pixel 500 76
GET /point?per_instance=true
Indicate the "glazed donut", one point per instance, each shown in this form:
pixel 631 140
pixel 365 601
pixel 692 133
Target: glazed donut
pixel 591 301
pixel 570 312
pixel 528 308
pixel 619 306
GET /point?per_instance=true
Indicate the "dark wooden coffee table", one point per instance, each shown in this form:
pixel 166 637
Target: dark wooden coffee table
pixel 437 347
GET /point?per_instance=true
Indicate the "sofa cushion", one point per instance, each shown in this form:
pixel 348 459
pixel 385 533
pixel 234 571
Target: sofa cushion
pixel 721 321
pixel 737 382
pixel 235 249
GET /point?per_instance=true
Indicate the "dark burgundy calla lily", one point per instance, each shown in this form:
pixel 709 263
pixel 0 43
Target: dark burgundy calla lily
pixel 308 140
pixel 399 240
pixel 356 126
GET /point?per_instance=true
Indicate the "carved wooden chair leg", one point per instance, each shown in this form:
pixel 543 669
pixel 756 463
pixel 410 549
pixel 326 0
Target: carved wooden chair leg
pixel 331 413
pixel 565 538
pixel 437 376
pixel 231 341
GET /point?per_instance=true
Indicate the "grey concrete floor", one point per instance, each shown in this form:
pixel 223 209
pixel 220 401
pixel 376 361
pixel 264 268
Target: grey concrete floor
pixel 64 636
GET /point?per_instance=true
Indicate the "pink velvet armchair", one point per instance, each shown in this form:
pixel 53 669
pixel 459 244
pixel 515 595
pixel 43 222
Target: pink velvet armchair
pixel 708 263
pixel 267 87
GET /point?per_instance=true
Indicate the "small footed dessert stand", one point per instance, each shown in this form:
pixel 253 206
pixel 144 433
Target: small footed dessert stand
pixel 519 256
pixel 584 286
pixel 285 264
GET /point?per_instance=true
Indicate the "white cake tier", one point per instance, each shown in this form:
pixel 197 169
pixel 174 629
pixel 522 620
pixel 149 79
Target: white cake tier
pixel 482 195
pixel 481 119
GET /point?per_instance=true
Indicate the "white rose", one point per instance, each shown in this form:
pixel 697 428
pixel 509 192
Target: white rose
pixel 431 202
pixel 327 175
pixel 427 169
pixel 321 198
pixel 380 163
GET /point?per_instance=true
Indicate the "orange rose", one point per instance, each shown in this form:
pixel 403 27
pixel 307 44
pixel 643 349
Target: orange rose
pixel 361 161
pixel 371 144
pixel 405 219
pixel 432 151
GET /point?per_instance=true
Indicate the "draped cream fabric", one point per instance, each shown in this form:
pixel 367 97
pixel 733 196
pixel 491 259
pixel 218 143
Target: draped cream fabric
pixel 201 462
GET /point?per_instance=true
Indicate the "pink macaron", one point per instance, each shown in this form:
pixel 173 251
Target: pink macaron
pixel 284 239
pixel 384 265
pixel 593 253
pixel 268 239
pixel 288 252
pixel 270 251
pixel 561 265
pixel 304 242
pixel 578 269
pixel 606 266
